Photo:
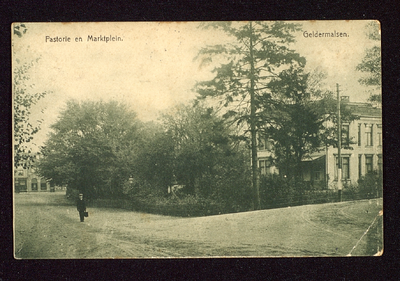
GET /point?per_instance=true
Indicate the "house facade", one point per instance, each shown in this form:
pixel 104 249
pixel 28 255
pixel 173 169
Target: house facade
pixel 25 180
pixel 361 151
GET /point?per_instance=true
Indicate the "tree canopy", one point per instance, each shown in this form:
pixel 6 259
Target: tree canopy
pixel 24 97
pixel 91 147
pixel 371 63
pixel 207 158
pixel 258 52
pixel 300 119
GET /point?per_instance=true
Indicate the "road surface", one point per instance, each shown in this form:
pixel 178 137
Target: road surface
pixel 47 226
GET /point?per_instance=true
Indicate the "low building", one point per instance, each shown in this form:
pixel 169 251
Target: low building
pixel 25 180
pixel 361 151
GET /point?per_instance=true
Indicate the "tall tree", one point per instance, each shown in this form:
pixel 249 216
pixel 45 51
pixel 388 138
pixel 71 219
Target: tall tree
pixel 153 163
pixel 257 52
pixel 296 123
pixel 24 97
pixel 200 140
pixel 91 147
pixel 371 63
pixel 302 119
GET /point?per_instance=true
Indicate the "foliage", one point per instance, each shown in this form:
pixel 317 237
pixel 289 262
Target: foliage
pixel 299 118
pixel 371 63
pixel 91 148
pixel 257 53
pixel 207 159
pixel 278 192
pixel 152 165
pixel 295 123
pixel 24 98
pixel 371 185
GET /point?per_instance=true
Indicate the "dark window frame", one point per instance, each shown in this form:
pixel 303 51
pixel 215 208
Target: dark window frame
pixel 369 135
pixel 369 164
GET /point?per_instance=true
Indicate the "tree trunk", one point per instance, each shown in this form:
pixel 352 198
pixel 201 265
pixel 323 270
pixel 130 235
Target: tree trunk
pixel 256 191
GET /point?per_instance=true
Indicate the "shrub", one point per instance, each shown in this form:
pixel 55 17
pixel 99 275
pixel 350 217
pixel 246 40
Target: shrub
pixel 350 192
pixel 276 191
pixel 371 185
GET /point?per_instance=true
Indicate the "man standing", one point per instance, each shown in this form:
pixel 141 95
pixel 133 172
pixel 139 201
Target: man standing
pixel 81 207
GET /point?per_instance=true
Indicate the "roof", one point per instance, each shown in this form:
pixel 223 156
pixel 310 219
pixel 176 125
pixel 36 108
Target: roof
pixel 313 156
pixel 364 109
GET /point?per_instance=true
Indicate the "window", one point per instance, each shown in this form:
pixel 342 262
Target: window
pixel 359 166
pixel 317 175
pixel 265 144
pixel 380 162
pixel 43 186
pixel 21 185
pixel 368 164
pixel 368 134
pixel 264 165
pixel 34 185
pixel 345 135
pixel 268 144
pixel 379 133
pixel 345 168
pixel 359 134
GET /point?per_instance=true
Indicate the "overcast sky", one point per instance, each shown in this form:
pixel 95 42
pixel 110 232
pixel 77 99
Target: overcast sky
pixel 152 68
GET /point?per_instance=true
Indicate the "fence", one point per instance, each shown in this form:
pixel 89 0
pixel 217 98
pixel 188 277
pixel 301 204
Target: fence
pixel 314 197
pixel 192 206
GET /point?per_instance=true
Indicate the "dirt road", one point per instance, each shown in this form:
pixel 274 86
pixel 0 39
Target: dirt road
pixel 47 226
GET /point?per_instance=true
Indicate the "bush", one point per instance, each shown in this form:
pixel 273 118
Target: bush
pixel 350 192
pixel 72 193
pixel 186 206
pixel 371 185
pixel 277 191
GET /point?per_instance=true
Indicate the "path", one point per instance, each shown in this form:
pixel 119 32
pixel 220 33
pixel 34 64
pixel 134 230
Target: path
pixel 47 226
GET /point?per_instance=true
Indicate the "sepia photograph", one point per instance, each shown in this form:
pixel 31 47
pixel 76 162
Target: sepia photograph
pixel 214 139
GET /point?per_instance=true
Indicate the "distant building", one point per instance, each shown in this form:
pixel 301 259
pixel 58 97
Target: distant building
pixel 25 180
pixel 361 151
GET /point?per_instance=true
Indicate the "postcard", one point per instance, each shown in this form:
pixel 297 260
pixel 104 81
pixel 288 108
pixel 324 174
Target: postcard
pixel 197 139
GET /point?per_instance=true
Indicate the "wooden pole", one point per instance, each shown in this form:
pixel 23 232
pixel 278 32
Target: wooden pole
pixel 339 175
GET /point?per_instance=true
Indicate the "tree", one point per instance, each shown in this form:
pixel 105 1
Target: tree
pixel 295 125
pixel 153 163
pixel 24 98
pixel 91 148
pixel 199 137
pixel 371 63
pixel 207 159
pixel 257 53
pixel 302 118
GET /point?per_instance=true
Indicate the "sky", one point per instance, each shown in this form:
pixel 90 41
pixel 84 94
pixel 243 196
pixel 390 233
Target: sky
pixel 152 68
